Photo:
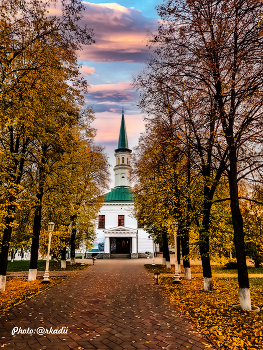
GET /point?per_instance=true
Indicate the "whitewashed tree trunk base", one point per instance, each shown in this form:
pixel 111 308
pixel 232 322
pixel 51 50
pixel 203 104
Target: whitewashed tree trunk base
pixel 208 286
pixel 72 261
pixel 2 283
pixel 187 273
pixel 164 261
pixel 168 264
pixel 245 300
pixel 32 274
pixel 253 308
pixel 63 264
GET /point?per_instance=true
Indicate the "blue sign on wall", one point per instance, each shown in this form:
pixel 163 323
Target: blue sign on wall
pixel 98 246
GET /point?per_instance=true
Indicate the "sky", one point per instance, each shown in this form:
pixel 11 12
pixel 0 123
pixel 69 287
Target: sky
pixel 109 65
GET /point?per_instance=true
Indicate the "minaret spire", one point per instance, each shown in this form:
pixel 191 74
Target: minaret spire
pixel 122 168
pixel 123 140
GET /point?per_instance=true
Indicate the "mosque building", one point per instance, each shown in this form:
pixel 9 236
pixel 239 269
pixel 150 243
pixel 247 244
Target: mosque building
pixel 118 234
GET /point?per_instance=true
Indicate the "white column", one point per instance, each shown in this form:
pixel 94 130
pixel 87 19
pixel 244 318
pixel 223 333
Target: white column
pixel 176 267
pixel 107 245
pixel 134 245
pixel 46 274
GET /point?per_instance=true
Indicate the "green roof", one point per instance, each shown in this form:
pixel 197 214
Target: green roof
pixel 123 141
pixel 119 194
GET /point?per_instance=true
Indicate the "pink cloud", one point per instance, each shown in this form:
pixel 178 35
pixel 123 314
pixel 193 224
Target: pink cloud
pixel 115 6
pixel 85 70
pixel 120 92
pixel 120 86
pixel 120 33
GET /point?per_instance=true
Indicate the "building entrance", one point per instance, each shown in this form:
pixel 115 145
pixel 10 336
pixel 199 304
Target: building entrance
pixel 120 245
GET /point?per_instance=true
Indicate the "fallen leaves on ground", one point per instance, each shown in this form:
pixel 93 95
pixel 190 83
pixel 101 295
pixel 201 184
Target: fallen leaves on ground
pixel 214 313
pixel 18 289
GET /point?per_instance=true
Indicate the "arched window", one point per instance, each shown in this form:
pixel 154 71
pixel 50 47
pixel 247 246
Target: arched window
pixel 118 161
pixel 122 160
pixel 127 160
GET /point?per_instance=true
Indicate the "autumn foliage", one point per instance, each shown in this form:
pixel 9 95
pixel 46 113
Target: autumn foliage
pixel 213 313
pixel 204 83
pixel 50 168
pixel 18 289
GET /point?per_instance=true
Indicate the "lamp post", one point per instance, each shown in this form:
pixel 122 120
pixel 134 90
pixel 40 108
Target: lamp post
pixel 83 262
pixel 176 268
pixel 46 274
pixel 153 263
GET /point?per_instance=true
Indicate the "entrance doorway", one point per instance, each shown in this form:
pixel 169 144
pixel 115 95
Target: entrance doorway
pixel 120 245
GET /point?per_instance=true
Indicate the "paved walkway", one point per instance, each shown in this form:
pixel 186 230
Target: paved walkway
pixel 111 305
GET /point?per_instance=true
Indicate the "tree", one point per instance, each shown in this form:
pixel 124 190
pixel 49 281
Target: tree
pixel 252 215
pixel 77 185
pixel 167 99
pixel 157 164
pixel 217 49
pixel 28 37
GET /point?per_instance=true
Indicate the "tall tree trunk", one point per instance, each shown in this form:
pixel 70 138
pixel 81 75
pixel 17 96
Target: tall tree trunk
pixel 185 253
pixel 15 171
pixel 73 239
pixel 185 236
pixel 164 257
pixel 243 281
pixel 5 248
pixel 204 243
pixel 32 273
pixel 166 254
pixel 63 258
pixel 178 246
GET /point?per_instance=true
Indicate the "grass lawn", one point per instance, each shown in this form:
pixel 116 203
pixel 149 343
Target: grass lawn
pixel 213 312
pixel 251 270
pixel 23 265
pixel 18 289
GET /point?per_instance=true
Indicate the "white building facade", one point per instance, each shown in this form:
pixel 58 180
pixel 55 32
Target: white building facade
pixel 117 230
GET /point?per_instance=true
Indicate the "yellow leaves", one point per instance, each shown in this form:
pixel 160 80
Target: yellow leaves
pixel 18 289
pixel 161 180
pixel 10 56
pixel 214 312
pixel 58 241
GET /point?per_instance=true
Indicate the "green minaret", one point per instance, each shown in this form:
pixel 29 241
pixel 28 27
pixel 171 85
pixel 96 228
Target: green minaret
pixel 122 168
pixel 123 140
